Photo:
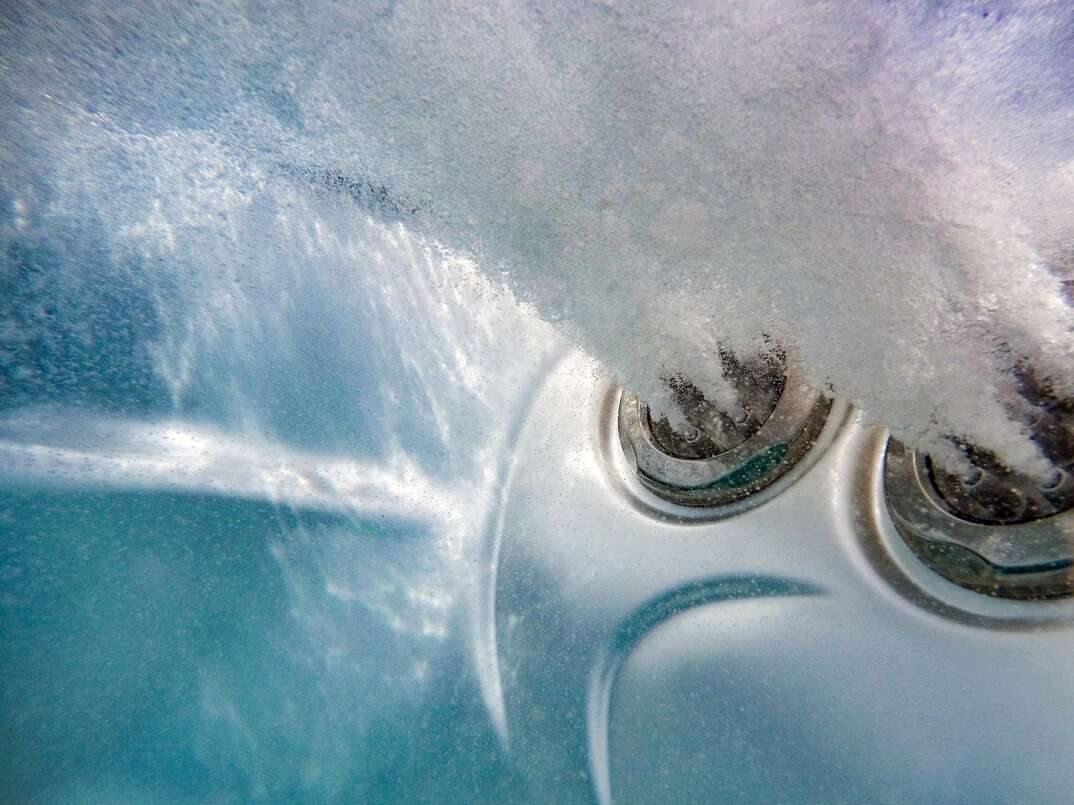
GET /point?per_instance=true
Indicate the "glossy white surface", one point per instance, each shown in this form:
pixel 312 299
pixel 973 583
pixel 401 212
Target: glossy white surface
pixel 790 652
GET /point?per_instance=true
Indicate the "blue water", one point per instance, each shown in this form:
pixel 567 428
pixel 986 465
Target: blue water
pixel 268 282
pixel 163 648
pixel 243 515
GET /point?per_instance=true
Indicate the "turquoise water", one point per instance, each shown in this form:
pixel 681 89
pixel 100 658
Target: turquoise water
pixel 167 648
pixel 243 515
pixel 275 284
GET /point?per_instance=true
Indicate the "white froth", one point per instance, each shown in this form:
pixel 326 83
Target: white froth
pixel 886 189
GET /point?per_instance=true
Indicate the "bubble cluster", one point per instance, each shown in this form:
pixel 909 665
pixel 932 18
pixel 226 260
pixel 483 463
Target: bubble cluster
pixel 884 189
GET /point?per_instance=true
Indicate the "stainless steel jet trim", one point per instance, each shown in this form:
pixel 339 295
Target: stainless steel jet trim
pixel 779 441
pixel 1031 560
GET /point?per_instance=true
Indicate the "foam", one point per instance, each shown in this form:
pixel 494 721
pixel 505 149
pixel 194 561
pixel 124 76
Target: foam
pixel 884 189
